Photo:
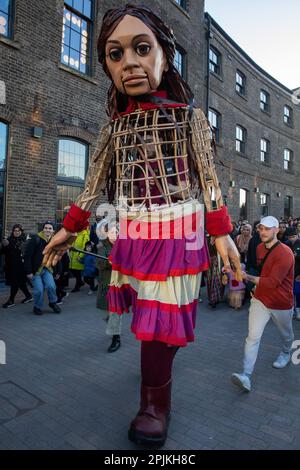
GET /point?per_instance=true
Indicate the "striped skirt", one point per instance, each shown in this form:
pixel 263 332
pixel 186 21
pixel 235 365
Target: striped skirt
pixel 159 278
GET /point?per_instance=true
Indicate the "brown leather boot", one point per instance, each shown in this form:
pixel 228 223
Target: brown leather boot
pixel 151 423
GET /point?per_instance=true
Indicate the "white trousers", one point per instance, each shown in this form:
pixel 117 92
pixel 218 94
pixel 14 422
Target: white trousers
pixel 259 315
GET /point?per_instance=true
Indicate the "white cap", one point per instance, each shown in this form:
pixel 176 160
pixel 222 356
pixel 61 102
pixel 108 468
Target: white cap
pixel 269 221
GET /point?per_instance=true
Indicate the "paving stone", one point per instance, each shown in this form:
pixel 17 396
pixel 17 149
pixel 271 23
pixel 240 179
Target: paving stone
pixel 61 390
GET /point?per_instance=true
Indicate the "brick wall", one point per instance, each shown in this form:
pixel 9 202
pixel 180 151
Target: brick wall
pixel 41 92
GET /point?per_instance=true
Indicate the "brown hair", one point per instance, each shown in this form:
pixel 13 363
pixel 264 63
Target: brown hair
pixel 178 89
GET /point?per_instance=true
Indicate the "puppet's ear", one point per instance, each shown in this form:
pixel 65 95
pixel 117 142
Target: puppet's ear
pixel 165 64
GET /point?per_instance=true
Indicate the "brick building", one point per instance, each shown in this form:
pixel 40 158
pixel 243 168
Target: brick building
pixel 52 105
pixel 257 127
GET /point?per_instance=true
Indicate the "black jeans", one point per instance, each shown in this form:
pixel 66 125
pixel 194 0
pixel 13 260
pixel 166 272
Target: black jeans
pixel 15 287
pixel 77 274
pixel 90 281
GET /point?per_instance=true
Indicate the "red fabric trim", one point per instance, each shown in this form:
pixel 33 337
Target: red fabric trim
pixel 164 339
pixel 182 272
pixel 159 277
pixel 133 105
pixel 163 306
pixel 76 219
pixel 181 227
pixel 218 222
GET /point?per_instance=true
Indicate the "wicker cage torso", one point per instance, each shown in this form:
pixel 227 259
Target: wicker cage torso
pixel 151 152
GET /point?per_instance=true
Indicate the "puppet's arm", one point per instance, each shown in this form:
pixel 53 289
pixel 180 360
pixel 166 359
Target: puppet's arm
pixel 218 222
pixel 97 172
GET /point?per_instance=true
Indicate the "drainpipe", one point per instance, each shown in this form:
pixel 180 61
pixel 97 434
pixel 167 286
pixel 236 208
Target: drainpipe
pixel 208 38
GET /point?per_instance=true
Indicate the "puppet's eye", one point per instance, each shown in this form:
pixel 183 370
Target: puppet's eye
pixel 115 54
pixel 143 49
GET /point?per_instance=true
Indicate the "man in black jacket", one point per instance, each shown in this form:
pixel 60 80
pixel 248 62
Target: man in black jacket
pixel 40 276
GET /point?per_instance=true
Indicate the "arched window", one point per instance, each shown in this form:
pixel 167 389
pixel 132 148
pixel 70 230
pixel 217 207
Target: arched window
pixel 3 156
pixel 72 166
pixel 3 144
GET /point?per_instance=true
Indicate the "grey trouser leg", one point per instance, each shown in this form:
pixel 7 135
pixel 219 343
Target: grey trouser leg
pixel 259 315
pixel 114 324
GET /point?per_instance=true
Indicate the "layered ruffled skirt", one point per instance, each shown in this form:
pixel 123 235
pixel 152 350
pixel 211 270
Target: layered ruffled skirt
pixel 160 277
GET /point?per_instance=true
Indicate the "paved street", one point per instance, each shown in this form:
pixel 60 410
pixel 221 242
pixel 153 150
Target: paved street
pixel 60 389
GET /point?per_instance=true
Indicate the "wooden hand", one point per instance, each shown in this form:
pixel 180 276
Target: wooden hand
pixel 230 255
pixel 57 247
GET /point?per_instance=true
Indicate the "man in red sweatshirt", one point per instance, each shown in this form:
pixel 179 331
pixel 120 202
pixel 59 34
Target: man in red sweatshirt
pixel 273 298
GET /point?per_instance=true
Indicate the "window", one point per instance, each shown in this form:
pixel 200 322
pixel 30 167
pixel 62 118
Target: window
pixel 72 165
pixel 243 203
pixel 6 17
pixel 76 36
pixel 181 3
pixel 240 139
pixel 264 200
pixel 287 115
pixel 180 62
pixel 3 156
pixel 215 121
pixel 288 160
pixel 288 203
pixel 3 144
pixel 240 83
pixel 264 101
pixel 264 151
pixel 214 61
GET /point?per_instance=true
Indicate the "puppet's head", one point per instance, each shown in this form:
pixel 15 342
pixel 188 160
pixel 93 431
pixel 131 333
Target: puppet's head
pixel 137 49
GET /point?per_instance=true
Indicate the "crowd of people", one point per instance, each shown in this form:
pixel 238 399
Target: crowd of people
pixel 24 270
pixel 273 287
pixel 221 286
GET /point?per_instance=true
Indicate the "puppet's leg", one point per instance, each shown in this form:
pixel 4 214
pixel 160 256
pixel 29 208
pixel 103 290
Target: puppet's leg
pixel 151 423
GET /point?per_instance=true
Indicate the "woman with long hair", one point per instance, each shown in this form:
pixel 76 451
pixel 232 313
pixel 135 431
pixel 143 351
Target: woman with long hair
pixel 242 241
pixel 153 157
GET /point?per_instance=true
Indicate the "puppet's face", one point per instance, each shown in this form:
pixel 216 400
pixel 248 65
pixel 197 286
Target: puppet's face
pixel 134 58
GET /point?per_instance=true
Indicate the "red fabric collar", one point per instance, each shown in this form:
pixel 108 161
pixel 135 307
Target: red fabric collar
pixel 133 104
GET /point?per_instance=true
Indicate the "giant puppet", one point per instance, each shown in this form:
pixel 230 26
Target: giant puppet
pixel 153 157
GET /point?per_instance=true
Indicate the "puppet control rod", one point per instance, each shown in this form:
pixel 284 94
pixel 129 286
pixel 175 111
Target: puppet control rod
pixel 88 253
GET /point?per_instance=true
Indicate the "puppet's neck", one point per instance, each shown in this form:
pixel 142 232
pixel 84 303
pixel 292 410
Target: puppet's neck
pixel 144 104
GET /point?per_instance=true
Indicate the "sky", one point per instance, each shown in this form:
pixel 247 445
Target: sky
pixel 267 30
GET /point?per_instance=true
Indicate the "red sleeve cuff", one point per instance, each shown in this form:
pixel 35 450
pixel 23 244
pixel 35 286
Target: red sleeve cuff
pixel 76 219
pixel 218 222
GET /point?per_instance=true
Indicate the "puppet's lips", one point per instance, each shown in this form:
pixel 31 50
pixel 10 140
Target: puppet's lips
pixel 133 79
